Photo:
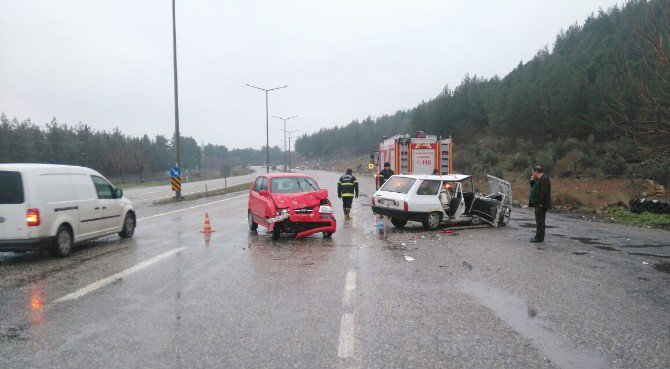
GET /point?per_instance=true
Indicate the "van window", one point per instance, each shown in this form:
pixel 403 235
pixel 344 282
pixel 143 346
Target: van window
pixel 264 185
pixel 11 188
pixel 104 189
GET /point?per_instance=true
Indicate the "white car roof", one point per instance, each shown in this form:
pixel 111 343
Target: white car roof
pixel 444 177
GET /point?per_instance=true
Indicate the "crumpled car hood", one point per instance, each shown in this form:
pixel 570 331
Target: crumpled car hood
pixel 299 200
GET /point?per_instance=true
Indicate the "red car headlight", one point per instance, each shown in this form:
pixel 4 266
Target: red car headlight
pixel 326 209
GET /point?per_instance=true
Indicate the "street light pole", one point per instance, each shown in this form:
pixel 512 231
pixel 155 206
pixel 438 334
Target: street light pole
pixel 289 147
pixel 267 123
pixel 285 119
pixel 176 93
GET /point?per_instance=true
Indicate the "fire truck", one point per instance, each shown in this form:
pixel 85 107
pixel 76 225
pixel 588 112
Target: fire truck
pixel 421 154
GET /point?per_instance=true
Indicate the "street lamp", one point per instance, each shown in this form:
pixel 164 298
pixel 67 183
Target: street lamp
pixel 289 147
pixel 176 94
pixel 285 119
pixel 267 123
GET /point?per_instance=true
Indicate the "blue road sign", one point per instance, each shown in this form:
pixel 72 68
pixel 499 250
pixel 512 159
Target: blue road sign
pixel 175 171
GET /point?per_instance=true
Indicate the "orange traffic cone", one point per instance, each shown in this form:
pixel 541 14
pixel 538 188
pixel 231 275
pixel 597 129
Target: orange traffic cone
pixel 208 226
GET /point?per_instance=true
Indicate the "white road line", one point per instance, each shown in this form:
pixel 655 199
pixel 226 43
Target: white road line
pixel 346 346
pixel 352 253
pixel 105 281
pixel 190 208
pixel 350 284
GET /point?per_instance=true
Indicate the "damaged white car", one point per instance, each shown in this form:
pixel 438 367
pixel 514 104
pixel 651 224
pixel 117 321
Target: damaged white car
pixel 434 199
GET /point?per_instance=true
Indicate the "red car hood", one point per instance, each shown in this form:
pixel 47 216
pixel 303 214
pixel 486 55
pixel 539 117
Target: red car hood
pixel 299 200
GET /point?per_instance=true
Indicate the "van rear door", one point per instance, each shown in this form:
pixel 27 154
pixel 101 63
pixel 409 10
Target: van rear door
pixel 12 207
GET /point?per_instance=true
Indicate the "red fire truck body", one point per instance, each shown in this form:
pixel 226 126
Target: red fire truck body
pixel 422 154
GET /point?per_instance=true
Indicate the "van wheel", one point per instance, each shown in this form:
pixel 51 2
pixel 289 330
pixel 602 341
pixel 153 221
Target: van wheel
pixel 432 221
pixel 252 225
pixel 327 234
pixel 62 245
pixel 276 232
pixel 398 223
pixel 128 226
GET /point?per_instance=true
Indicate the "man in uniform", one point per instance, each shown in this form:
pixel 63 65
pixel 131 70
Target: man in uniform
pixel 347 189
pixel 385 174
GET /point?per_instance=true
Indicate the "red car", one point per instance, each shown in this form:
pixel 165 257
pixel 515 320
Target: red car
pixel 290 203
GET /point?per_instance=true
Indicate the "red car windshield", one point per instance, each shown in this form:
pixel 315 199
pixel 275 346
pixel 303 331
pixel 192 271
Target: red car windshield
pixel 293 185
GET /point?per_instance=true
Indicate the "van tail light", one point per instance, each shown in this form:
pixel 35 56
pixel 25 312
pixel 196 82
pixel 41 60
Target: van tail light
pixel 405 206
pixel 33 217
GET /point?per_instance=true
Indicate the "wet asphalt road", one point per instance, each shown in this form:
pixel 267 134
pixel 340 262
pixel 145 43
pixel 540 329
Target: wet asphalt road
pixel 593 295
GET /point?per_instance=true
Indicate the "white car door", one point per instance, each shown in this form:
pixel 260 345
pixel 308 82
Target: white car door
pixel 425 198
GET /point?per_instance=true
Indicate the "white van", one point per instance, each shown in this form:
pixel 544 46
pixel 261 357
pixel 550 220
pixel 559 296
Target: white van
pixel 55 206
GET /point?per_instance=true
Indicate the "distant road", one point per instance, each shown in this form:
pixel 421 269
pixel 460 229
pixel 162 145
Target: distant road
pixel 145 195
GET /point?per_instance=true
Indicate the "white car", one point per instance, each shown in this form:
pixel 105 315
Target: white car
pixel 432 199
pixel 56 206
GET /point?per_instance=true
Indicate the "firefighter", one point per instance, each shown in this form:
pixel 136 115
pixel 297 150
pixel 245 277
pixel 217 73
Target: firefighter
pixel 347 189
pixel 385 174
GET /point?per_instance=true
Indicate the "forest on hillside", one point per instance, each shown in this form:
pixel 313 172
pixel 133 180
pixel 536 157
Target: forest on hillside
pixel 114 153
pixel 597 104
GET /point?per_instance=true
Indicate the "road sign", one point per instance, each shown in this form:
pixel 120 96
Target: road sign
pixel 176 183
pixel 175 172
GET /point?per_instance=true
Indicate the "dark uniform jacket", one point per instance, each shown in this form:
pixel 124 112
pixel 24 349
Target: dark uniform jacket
pixel 347 186
pixel 384 175
pixel 542 189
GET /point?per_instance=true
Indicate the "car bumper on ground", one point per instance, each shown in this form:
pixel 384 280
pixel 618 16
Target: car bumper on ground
pixel 31 244
pixel 306 224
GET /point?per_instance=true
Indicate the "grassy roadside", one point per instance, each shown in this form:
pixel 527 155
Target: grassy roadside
pixel 199 195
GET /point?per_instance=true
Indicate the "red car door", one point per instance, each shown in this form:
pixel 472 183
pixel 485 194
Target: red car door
pixel 258 203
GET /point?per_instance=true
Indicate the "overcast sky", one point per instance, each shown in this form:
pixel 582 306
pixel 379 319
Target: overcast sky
pixel 108 63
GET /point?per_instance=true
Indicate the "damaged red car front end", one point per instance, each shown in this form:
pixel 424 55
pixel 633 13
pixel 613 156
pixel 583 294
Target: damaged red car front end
pixel 290 203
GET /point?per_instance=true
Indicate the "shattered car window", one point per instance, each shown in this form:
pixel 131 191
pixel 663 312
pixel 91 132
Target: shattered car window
pixel 428 188
pixel 398 184
pixel 293 185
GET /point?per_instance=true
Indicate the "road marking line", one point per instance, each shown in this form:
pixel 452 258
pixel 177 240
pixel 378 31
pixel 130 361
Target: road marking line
pixel 350 284
pixel 352 253
pixel 346 346
pixel 105 281
pixel 190 208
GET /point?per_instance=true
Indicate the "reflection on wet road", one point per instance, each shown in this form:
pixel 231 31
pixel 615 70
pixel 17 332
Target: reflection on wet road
pixel 372 296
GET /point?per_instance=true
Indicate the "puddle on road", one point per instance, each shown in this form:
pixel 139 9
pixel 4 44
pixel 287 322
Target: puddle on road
pixel 654 255
pixel 587 241
pixel 663 267
pixel 606 248
pixel 532 225
pixel 524 320
pixel 581 252
pixel 643 246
